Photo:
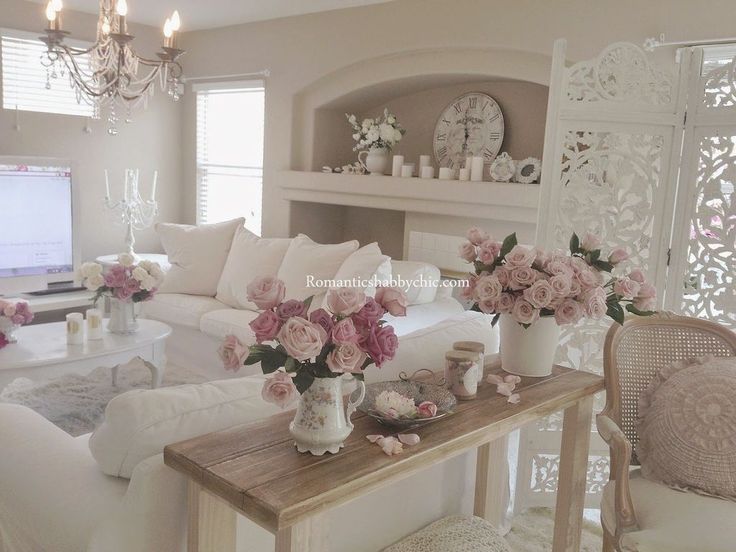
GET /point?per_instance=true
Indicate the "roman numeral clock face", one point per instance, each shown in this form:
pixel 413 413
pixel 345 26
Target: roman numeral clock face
pixel 471 125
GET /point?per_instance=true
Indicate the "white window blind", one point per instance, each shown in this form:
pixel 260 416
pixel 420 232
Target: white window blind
pixel 24 78
pixel 230 119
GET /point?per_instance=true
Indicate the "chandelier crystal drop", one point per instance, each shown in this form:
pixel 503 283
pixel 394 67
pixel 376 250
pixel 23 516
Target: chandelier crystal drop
pixel 110 74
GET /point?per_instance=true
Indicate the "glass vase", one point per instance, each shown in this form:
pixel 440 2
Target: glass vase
pixel 122 317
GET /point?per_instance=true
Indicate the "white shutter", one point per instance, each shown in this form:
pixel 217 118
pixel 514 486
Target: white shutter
pixel 25 79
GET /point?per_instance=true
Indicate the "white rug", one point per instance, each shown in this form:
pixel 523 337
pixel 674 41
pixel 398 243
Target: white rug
pixel 77 403
pixel 531 531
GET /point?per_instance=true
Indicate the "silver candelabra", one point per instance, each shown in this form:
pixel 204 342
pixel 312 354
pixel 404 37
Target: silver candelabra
pixel 136 213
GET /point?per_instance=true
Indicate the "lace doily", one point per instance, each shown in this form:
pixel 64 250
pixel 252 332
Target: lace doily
pixel 456 534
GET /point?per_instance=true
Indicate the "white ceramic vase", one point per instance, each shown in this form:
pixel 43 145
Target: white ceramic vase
pixel 8 329
pixel 375 162
pixel 122 317
pixel 531 351
pixel 321 424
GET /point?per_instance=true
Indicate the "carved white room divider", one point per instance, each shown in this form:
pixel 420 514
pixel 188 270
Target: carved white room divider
pixel 613 155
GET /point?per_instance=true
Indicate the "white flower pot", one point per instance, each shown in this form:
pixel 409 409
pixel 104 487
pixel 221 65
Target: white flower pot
pixel 376 160
pixel 122 317
pixel 321 425
pixel 9 329
pixel 531 351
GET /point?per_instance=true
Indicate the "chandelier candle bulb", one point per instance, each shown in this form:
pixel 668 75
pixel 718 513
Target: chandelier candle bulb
pixel 74 328
pixel 122 10
pixel 427 172
pixel 398 162
pixel 476 170
pixel 462 374
pixel 94 324
pixel 167 33
pixel 464 174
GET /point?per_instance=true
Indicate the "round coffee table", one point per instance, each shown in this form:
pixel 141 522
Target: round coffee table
pixel 42 352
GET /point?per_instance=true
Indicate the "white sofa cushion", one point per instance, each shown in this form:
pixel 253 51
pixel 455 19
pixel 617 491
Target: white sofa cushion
pixel 366 264
pixel 306 257
pixel 219 323
pixel 672 520
pixel 179 308
pixel 250 257
pixel 197 255
pixel 140 423
pixel 414 272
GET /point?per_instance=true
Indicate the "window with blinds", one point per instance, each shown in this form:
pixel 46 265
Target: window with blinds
pixel 230 119
pixel 25 79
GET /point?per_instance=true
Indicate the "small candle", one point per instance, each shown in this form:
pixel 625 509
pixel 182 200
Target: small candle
pixel 445 173
pixel 476 170
pixel 464 174
pixel 427 172
pixel 407 171
pixel 397 164
pixel 473 347
pixel 94 324
pixel 424 161
pixel 461 374
pixel 74 328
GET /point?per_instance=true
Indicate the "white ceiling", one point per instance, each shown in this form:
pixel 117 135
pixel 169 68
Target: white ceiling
pixel 207 14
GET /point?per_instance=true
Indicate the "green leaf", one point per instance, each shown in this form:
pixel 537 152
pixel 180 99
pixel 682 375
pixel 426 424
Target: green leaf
pixel 508 244
pixel 292 364
pixel 605 266
pixel 303 380
pixel 308 302
pixel 595 255
pixel 482 267
pixel 257 352
pixel 616 312
pixel 574 243
pixel 495 319
pixel 633 310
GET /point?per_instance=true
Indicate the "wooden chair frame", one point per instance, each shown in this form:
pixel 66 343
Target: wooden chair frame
pixel 609 421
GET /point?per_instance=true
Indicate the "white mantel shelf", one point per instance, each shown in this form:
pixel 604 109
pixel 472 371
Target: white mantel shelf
pixel 484 200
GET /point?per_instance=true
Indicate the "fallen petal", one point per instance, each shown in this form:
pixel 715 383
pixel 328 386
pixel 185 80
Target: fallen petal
pixel 374 438
pixel 494 378
pixel 409 438
pixel 391 446
pixel 514 399
pixel 505 388
pixel 512 379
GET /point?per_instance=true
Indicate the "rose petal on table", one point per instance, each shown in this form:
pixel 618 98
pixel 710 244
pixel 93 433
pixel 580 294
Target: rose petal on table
pixel 494 378
pixel 409 438
pixel 512 379
pixel 514 399
pixel 505 388
pixel 391 446
pixel 374 438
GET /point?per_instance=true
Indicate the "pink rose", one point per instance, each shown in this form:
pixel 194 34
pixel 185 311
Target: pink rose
pixel 280 390
pixel 381 344
pixel 637 275
pixel 522 277
pixel 505 303
pixel 540 294
pixel 520 257
pixel 647 298
pixel 232 352
pixel 626 288
pixel 22 308
pixel 9 310
pixel 393 300
pixel 578 264
pixel 503 274
pixel 266 292
pixel 488 305
pixel 302 339
pixel 18 319
pixel 468 291
pixel 561 284
pixel 488 288
pixel 594 301
pixel 488 251
pixel 558 267
pixel 3 340
pixel 322 318
pixel 618 255
pixel 569 312
pixel 477 236
pixel 524 312
pixel 371 312
pixel 467 252
pixel 116 276
pixel 590 242
pixel 346 357
pixel 427 409
pixel 345 301
pixel 265 326
pixel 124 293
pixel 345 332
pixel 290 308
pixel 589 278
pixel 540 257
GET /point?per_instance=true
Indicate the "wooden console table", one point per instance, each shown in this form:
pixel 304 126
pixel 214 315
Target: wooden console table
pixel 254 470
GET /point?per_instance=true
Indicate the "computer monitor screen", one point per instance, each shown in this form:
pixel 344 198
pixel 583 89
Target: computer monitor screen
pixel 36 232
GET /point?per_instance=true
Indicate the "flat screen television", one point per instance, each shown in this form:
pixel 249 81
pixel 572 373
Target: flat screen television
pixel 38 238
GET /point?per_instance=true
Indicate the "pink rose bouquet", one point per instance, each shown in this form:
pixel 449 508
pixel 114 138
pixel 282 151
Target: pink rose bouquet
pixel 296 346
pixel 12 313
pixel 125 281
pixel 528 283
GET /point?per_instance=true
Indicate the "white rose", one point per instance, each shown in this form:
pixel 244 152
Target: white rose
pixel 367 123
pixel 352 120
pixel 146 265
pixel 156 272
pixel 95 282
pixel 391 119
pixel 387 132
pixel 88 270
pixel 373 134
pixel 126 259
pixel 140 273
pixel 148 283
pixel 356 136
pixel 397 135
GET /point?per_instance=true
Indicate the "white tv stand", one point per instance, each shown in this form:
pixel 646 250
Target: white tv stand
pixel 57 301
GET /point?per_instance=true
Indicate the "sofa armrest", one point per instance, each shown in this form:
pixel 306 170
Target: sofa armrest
pixel 620 463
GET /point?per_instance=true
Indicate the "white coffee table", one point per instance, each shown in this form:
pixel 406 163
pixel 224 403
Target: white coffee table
pixel 42 352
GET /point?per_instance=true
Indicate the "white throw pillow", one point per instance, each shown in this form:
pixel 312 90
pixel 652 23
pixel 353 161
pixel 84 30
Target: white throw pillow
pixel 415 272
pixel 197 255
pixel 306 257
pixel 250 257
pixel 140 423
pixel 369 264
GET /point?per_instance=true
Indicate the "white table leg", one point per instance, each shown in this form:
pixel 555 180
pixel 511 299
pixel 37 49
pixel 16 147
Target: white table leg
pixel 309 535
pixel 212 523
pixel 114 371
pixel 158 364
pixel 492 492
pixel 572 477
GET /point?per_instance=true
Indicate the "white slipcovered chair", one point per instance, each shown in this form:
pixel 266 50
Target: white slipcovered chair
pixel 637 514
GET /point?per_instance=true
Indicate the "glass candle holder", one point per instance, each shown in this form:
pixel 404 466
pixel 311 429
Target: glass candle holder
pixel 461 374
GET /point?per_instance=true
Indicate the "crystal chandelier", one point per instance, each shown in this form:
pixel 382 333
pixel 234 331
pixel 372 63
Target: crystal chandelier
pixel 106 75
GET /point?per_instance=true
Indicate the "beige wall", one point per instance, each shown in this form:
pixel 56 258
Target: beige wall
pixel 301 50
pixel 151 142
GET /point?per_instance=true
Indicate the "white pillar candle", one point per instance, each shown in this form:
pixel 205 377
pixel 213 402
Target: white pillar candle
pixel 396 167
pixel 74 328
pixel 427 172
pixel 464 174
pixel 445 173
pixel 476 170
pixel 94 323
pixel 407 171
pixel 468 162
pixel 424 161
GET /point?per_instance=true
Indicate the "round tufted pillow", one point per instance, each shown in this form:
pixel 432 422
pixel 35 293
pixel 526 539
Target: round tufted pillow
pixel 687 426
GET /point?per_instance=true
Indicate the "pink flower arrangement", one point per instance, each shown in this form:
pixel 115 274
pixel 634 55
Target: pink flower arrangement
pixel 528 283
pixel 125 281
pixel 297 346
pixel 13 314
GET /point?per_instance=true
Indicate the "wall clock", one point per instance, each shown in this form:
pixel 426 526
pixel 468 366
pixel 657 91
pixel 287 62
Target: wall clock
pixel 471 125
